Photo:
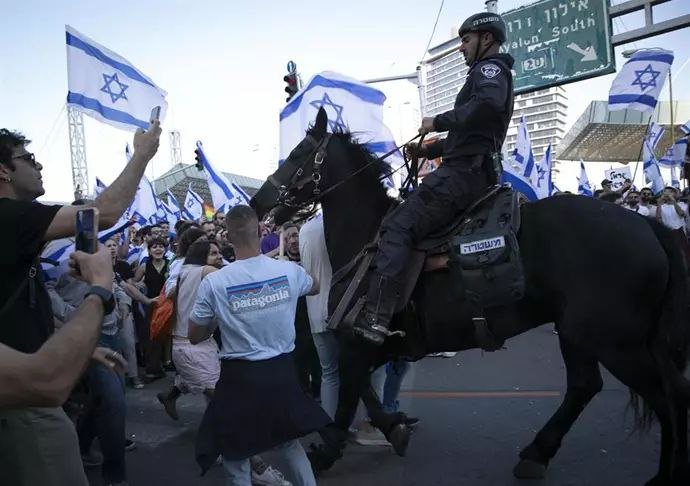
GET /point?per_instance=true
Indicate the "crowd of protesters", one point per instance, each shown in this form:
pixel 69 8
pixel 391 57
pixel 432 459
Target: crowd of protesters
pixel 74 337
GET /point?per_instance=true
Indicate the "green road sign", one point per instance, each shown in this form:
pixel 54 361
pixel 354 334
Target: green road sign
pixel 558 41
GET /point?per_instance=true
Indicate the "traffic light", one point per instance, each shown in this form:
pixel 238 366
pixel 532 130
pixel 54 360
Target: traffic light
pixel 291 88
pixel 197 157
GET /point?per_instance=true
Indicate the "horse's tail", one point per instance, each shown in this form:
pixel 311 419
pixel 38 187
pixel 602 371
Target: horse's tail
pixel 670 339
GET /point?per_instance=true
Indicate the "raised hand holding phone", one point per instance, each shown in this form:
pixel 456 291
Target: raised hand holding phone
pixel 86 238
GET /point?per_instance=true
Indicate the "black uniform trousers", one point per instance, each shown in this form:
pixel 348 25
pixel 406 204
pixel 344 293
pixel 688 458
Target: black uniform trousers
pixel 438 200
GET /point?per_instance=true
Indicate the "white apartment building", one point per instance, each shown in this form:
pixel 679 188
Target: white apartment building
pixel 545 110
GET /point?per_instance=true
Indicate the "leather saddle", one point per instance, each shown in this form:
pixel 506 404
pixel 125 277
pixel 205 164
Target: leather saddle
pixel 481 240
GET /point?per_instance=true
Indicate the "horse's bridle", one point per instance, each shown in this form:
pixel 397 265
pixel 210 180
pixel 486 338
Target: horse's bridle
pixel 296 178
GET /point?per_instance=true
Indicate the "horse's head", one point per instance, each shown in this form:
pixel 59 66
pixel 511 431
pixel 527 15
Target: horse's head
pixel 320 162
pixel 298 179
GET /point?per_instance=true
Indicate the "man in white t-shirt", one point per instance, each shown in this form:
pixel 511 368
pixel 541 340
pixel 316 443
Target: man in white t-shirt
pixel 670 212
pixel 632 202
pixel 258 404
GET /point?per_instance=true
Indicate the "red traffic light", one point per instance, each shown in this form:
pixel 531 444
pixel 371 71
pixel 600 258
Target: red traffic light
pixel 291 88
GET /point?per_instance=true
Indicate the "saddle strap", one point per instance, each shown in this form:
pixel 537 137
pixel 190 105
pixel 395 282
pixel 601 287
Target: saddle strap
pixel 335 320
pixel 483 336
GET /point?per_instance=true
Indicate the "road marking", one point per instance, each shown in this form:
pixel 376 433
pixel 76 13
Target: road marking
pixel 482 394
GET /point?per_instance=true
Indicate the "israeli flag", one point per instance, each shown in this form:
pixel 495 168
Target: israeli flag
pixel 222 193
pixel 639 82
pixel 652 174
pixel 654 134
pixel 169 214
pixel 193 205
pixel 544 185
pixel 173 204
pixel 144 208
pixel 351 106
pixel 675 155
pixel 675 182
pixel 685 127
pixel 584 188
pixel 57 252
pixel 107 87
pixel 100 187
pixel 518 169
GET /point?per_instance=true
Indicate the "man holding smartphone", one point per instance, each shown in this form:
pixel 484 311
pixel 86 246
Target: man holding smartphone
pixel 39 445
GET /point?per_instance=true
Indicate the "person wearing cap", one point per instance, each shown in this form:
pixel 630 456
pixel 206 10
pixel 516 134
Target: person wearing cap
pixel 476 128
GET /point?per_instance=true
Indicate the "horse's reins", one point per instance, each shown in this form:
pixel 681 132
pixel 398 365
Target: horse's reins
pixel 318 161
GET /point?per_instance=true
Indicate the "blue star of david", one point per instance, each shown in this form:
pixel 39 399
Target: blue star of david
pixel 107 87
pixel 326 101
pixel 650 82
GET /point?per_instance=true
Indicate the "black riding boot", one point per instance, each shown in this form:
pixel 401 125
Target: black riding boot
pixel 375 318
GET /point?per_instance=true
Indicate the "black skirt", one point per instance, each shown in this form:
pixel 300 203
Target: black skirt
pixel 257 405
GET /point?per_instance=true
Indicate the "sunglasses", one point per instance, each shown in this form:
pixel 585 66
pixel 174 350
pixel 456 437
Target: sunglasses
pixel 28 157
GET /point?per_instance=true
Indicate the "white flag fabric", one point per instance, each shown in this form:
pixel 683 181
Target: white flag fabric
pixel 144 208
pixel 584 188
pixel 675 154
pixel 638 84
pixel 193 205
pixel 169 214
pixel 100 187
pixel 173 204
pixel 519 169
pixel 654 134
pixel 685 127
pixel 652 174
pixel 107 87
pixel 223 194
pixel 351 106
pixel 675 182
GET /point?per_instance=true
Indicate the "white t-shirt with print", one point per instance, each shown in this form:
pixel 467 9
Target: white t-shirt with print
pixel 253 301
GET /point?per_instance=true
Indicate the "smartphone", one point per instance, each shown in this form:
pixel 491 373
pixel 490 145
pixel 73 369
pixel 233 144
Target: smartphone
pixel 86 239
pixel 155 113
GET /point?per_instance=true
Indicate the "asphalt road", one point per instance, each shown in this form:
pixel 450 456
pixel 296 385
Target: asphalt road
pixel 477 409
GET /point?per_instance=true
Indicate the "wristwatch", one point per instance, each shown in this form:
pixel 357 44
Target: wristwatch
pixel 106 296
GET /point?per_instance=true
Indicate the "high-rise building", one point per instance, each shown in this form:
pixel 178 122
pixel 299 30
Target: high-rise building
pixel 545 110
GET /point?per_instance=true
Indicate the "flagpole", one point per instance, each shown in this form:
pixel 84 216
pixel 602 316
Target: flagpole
pixel 639 155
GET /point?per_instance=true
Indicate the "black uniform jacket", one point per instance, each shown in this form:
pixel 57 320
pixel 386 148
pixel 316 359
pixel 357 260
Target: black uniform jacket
pixel 478 122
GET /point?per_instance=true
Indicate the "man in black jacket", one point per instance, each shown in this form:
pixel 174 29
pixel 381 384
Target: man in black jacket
pixel 476 129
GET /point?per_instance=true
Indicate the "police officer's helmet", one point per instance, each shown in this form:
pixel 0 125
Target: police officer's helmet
pixel 485 22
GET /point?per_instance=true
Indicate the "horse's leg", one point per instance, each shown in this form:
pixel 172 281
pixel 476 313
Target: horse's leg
pixel 639 370
pixel 354 368
pixel 584 381
pixel 393 425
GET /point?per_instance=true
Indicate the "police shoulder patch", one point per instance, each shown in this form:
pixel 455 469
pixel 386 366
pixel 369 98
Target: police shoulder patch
pixel 490 70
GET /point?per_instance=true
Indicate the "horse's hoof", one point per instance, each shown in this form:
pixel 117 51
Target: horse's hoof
pixel 399 437
pixel 318 457
pixel 529 469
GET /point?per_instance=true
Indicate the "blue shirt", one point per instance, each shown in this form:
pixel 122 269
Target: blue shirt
pixel 253 301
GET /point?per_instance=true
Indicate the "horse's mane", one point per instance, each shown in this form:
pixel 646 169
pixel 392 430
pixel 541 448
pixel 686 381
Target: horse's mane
pixel 358 151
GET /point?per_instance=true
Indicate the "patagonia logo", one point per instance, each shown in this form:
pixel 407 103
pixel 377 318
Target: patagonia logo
pixel 258 295
pixel 482 245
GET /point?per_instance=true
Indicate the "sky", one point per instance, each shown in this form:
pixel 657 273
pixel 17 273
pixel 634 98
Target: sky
pixel 222 64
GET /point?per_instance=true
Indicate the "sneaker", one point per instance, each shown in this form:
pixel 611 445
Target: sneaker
pixel 368 435
pixel 130 445
pixel 92 459
pixel 136 383
pixel 270 477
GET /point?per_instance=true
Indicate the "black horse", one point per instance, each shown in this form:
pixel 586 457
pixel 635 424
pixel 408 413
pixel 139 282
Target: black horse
pixel 613 282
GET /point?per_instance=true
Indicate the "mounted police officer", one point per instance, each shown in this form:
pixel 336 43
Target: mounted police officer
pixel 476 128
